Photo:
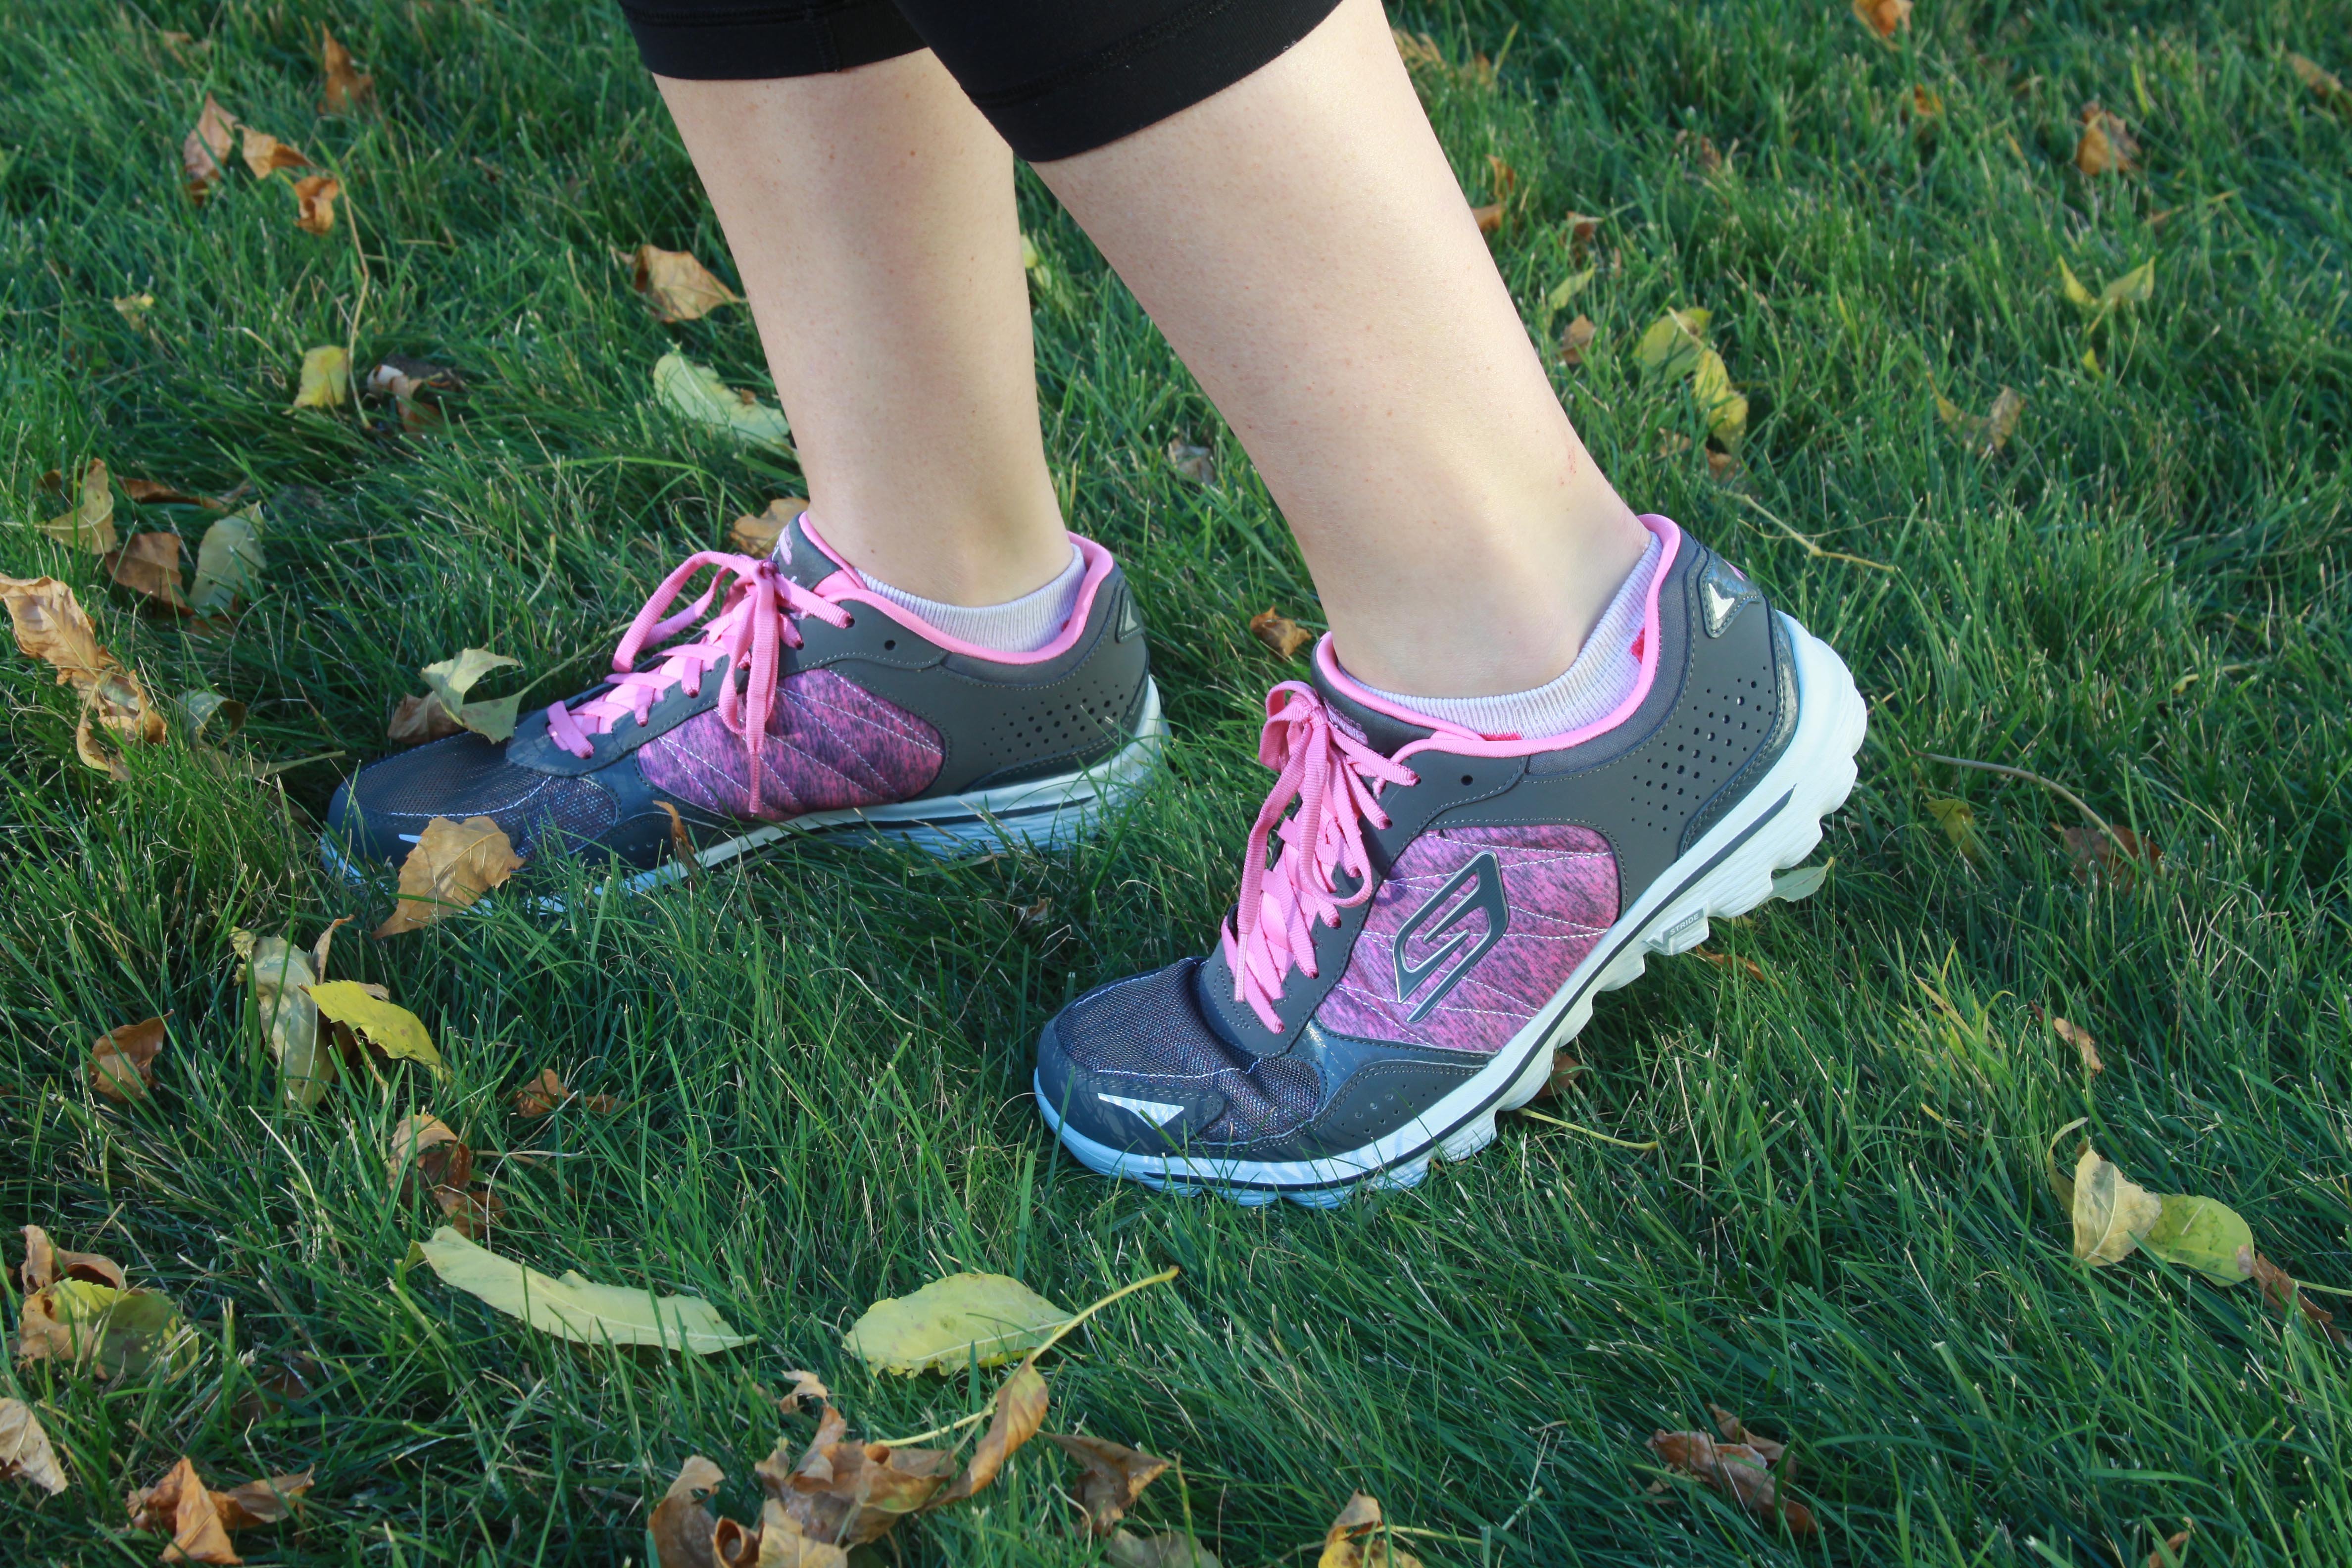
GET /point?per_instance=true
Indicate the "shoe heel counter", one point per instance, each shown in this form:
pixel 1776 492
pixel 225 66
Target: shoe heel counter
pixel 1084 713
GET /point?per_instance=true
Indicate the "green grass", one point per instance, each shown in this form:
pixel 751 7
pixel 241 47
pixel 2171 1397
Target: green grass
pixel 823 1055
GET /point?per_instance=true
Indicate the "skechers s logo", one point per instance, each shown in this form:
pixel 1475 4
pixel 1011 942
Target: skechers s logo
pixel 1483 879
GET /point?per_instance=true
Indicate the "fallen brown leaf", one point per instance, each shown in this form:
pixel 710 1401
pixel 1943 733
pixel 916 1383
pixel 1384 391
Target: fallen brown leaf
pixel 149 564
pixel 758 535
pixel 2079 1038
pixel 1115 1477
pixel 1576 230
pixel 677 286
pixel 681 1525
pixel 91 523
pixel 2285 1294
pixel 133 309
pixel 2098 857
pixel 1699 147
pixel 681 845
pixel 452 865
pixel 122 1061
pixel 1926 106
pixel 1883 17
pixel 1020 1410
pixel 1575 339
pixel 2172 1553
pixel 397 376
pixel 345 89
pixel 80 1311
pixel 1735 1430
pixel 199 1519
pixel 1347 1545
pixel 420 718
pixel 206 145
pixel 845 1494
pixel 1166 1549
pixel 424 1153
pixel 2107 145
pixel 1505 179
pixel 314 203
pixel 547 1093
pixel 265 155
pixel 50 625
pixel 1280 633
pixel 25 1451
pixel 1198 463
pixel 2325 84
pixel 155 492
pixel 1729 961
pixel 806 1386
pixel 1738 1470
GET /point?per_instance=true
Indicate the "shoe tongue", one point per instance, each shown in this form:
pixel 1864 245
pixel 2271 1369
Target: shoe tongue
pixel 800 557
pixel 1377 729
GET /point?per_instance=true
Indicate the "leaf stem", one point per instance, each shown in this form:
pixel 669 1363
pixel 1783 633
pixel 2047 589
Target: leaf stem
pixel 1588 1133
pixel 2052 785
pixel 1030 1360
pixel 1810 548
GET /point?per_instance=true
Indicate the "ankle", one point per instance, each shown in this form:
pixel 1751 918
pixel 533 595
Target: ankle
pixel 974 551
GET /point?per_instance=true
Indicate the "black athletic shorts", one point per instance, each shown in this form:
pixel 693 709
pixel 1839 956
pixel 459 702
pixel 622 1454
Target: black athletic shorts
pixel 1054 76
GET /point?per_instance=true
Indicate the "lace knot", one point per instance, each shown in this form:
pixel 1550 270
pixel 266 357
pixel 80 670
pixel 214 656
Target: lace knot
pixel 1336 779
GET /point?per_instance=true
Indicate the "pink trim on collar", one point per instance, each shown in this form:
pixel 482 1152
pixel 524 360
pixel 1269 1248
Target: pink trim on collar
pixel 1462 742
pixel 846 586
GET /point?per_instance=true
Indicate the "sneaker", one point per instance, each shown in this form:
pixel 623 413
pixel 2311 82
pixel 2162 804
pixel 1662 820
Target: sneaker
pixel 805 701
pixel 1444 907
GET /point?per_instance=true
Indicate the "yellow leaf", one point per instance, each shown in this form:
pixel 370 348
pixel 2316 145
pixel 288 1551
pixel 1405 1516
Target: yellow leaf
pixel 326 380
pixel 1883 17
pixel 452 865
pixel 1726 410
pixel 679 288
pixel 574 1309
pixel 394 1030
pixel 133 309
pixel 51 625
pixel 2133 287
pixel 694 392
pixel 1957 819
pixel 265 155
pixel 2201 1234
pixel 25 1451
pixel 229 562
pixel 2075 292
pixel 949 1322
pixel 91 523
pixel 452 678
pixel 1672 343
pixel 2112 1212
pixel 206 145
pixel 1357 1539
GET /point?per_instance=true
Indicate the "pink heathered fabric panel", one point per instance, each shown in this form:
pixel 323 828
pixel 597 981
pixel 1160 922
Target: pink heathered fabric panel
pixel 831 743
pixel 1561 886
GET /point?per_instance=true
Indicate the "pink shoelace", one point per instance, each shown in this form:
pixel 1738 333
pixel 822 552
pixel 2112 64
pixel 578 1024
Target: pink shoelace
pixel 1336 780
pixel 754 619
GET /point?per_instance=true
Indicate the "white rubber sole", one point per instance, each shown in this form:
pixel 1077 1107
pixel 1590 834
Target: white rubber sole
pixel 1728 872
pixel 1050 812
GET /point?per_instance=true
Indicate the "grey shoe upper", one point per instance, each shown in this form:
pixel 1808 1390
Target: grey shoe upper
pixel 1719 711
pixel 995 722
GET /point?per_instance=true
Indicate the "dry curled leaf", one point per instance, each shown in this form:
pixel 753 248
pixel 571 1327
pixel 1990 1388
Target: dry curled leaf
pixel 229 563
pixel 1351 1541
pixel 453 680
pixel 758 535
pixel 420 718
pixel 424 1153
pixel 1740 1471
pixel 265 155
pixel 1282 635
pixel 1577 230
pixel 1505 179
pixel 1020 1410
pixel 198 1520
pixel 452 865
pixel 1987 433
pixel 314 203
pixel 122 1061
pixel 681 1525
pixel 1166 1549
pixel 677 286
pixel 2285 1292
pixel 89 525
pixel 281 976
pixel 2172 1553
pixel 1115 1476
pixel 547 1093
pixel 206 145
pixel 326 378
pixel 1883 17
pixel 345 89
pixel 1198 463
pixel 25 1451
pixel 2325 84
pixel 2107 145
pixel 149 564
pixel 1753 970
pixel 1735 1430
pixel 1575 338
pixel 806 1386
pixel 51 626
pixel 2084 1047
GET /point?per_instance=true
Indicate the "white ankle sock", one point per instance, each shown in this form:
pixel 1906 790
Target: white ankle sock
pixel 1603 676
pixel 1019 626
